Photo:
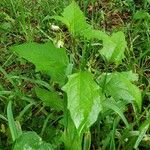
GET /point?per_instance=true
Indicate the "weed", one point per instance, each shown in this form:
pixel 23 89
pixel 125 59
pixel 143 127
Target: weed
pixel 75 97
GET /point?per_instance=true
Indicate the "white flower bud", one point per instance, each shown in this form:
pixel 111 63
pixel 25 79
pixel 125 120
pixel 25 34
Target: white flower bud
pixel 55 28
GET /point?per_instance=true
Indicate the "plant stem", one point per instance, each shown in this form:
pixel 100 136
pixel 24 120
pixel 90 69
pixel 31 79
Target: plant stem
pixel 83 58
pixel 87 141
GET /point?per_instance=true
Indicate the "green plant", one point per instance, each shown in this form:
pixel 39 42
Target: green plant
pixel 83 97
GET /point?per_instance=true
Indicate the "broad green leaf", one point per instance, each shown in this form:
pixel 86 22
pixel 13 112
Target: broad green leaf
pixel 49 98
pixel 119 86
pixel 46 57
pixel 114 48
pixel 84 99
pixel 31 141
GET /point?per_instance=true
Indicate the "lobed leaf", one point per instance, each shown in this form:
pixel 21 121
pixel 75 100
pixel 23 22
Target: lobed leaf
pixel 46 57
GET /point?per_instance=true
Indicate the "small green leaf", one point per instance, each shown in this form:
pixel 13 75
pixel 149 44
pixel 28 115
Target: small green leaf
pixel 51 99
pixel 46 57
pixel 118 86
pixel 31 141
pixel 84 99
pixel 114 47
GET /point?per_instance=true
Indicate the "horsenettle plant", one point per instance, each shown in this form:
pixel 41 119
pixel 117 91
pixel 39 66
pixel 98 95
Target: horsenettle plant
pixel 86 96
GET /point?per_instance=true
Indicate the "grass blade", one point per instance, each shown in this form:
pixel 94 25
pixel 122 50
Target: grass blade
pixel 11 122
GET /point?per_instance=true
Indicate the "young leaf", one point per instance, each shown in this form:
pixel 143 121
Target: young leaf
pixel 118 86
pixel 51 99
pixel 30 140
pixel 114 47
pixel 75 18
pixel 46 57
pixel 84 99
